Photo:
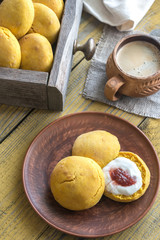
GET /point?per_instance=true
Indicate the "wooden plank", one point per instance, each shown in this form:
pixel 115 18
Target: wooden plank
pixel 151 127
pixel 10 117
pixel 59 75
pixel 151 19
pixel 23 88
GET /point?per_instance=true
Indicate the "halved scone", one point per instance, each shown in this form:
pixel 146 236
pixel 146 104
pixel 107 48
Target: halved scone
pixel 127 179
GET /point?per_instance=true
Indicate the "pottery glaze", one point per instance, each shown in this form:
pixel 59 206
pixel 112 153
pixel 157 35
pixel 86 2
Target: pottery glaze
pixel 122 83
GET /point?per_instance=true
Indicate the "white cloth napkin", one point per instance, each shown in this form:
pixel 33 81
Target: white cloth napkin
pixel 123 14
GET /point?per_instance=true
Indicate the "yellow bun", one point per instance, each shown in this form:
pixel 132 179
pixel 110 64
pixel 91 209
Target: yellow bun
pixel 77 183
pixel 45 22
pixel 10 52
pixel 56 5
pixel 17 16
pixel 145 173
pixel 36 53
pixel 99 145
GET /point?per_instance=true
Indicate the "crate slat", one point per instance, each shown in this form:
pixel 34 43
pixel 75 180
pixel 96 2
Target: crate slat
pixel 23 88
pixel 58 80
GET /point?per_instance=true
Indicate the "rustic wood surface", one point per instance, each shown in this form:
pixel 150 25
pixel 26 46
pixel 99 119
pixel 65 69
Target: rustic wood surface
pixel 19 126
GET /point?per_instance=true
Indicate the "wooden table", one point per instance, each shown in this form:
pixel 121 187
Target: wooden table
pixel 19 126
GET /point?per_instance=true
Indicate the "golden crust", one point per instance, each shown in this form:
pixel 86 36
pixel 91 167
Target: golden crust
pixel 56 6
pixel 145 179
pixel 45 22
pixel 99 145
pixel 10 52
pixel 17 16
pixel 36 52
pixel 77 183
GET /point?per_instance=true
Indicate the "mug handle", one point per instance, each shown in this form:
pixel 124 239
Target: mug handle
pixel 112 86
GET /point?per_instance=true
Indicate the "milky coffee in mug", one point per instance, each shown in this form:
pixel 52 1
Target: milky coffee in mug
pixel 139 58
pixel 133 68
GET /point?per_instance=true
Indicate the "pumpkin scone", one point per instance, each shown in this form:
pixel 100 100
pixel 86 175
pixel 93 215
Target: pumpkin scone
pixel 126 178
pixel 45 22
pixel 17 16
pixel 57 6
pixel 10 52
pixel 99 145
pixel 36 53
pixel 77 183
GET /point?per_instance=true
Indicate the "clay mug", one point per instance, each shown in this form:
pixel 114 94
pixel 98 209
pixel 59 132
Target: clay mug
pixel 122 82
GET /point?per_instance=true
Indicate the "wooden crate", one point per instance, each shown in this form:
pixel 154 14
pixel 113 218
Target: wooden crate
pixel 40 89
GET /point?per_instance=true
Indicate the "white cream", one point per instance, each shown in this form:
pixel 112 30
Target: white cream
pixel 130 168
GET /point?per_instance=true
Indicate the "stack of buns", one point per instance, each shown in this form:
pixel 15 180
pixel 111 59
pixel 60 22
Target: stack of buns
pixel 27 30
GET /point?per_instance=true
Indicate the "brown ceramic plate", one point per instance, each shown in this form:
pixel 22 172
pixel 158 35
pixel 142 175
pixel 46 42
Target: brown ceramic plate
pixel 54 143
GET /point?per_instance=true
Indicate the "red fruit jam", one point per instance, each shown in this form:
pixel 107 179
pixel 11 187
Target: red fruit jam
pixel 121 177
